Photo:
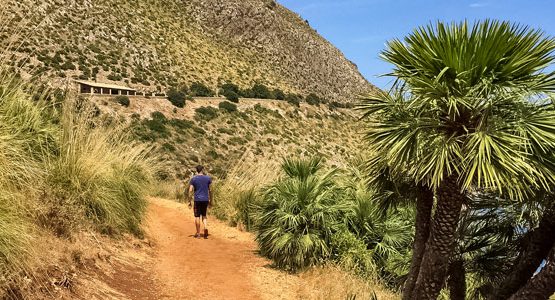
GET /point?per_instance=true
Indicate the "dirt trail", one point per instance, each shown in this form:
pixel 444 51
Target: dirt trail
pixel 224 266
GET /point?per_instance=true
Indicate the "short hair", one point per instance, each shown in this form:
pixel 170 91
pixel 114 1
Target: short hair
pixel 199 168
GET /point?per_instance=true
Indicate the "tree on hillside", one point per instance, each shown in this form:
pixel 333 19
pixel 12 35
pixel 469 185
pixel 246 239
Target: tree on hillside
pixel 466 114
pixel 198 89
pixel 177 97
pixel 258 91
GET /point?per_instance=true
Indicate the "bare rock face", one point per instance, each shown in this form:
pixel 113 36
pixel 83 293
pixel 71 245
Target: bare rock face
pixel 283 40
pixel 155 44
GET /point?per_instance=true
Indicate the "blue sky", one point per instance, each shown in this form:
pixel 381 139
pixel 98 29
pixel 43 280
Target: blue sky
pixel 360 28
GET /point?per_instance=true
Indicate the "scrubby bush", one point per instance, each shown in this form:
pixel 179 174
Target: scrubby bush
pixel 122 100
pixel 293 99
pixel 206 113
pixel 279 94
pixel 313 99
pixel 176 97
pixel 198 89
pixel 227 106
pixel 227 88
pixel 232 96
pixel 298 215
pixel 181 124
pixel 156 126
pixel 335 104
pixel 260 91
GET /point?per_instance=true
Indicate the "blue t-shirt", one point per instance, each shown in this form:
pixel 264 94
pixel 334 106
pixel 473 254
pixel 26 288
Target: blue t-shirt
pixel 201 184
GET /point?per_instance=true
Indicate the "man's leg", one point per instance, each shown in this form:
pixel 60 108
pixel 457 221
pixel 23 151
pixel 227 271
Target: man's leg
pixel 197 225
pixel 205 220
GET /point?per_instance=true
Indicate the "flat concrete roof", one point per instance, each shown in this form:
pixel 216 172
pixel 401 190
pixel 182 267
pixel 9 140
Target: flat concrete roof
pixel 105 85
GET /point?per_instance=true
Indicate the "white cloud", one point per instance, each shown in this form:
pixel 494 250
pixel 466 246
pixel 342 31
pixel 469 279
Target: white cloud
pixel 478 4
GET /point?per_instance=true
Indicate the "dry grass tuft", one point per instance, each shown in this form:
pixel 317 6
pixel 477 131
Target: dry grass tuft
pixel 331 282
pixel 234 194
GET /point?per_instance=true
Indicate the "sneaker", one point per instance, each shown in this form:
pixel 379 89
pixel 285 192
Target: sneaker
pixel 197 235
pixel 205 233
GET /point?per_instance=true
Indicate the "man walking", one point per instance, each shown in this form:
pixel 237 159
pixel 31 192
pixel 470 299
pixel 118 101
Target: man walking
pixel 200 186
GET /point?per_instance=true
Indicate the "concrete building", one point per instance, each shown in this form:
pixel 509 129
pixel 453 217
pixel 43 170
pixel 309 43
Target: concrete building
pixel 96 88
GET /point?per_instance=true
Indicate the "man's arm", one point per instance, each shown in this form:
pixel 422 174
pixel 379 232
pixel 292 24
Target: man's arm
pixel 190 194
pixel 209 196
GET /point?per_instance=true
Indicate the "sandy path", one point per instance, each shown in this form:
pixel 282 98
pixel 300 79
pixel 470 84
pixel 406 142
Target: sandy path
pixel 224 266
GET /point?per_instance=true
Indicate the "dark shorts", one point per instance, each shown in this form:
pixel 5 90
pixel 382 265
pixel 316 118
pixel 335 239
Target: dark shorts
pixel 200 208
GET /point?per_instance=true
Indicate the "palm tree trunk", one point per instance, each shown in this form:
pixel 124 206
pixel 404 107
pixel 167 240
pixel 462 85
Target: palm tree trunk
pixel 541 286
pixel 424 204
pixel 457 280
pixel 539 242
pixel 441 242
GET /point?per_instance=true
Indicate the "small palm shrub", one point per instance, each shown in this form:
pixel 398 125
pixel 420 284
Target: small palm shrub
pixel 298 214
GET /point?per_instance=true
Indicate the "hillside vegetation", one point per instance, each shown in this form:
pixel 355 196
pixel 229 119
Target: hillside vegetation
pixel 220 134
pixel 153 45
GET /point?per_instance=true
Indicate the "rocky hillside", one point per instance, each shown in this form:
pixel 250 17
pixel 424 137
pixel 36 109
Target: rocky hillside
pixel 155 44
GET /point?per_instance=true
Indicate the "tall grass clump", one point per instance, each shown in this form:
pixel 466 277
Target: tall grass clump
pixel 61 171
pixel 98 173
pixel 26 136
pixel 237 194
pixel 298 215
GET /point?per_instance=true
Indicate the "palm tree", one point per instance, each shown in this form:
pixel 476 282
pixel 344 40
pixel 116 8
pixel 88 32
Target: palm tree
pixel 468 111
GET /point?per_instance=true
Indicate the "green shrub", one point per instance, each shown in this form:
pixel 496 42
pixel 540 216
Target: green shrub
pixel 114 77
pixel 122 100
pixel 199 130
pixel 293 99
pixel 176 97
pixel 227 106
pixel 158 116
pixel 279 94
pixel 260 91
pixel 298 215
pixel 227 88
pixel 225 130
pixel 232 96
pixel 245 206
pixel 157 126
pixel 206 113
pixel 352 253
pixel 168 147
pixel 181 124
pixel 198 89
pixel 68 66
pixel 313 99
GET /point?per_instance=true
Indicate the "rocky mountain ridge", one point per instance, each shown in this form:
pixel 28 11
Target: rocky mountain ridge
pixel 152 45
